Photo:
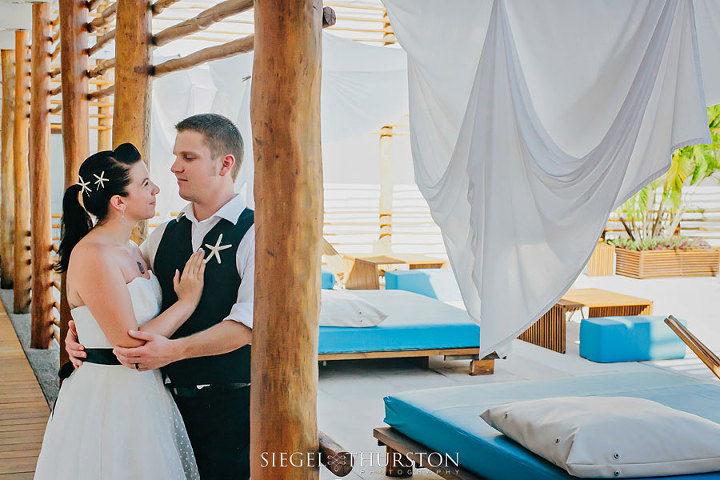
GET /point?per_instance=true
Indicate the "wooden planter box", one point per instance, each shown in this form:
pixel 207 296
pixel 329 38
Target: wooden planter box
pixel 666 263
pixel 602 261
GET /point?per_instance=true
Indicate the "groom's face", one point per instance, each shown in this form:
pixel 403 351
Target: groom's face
pixel 197 172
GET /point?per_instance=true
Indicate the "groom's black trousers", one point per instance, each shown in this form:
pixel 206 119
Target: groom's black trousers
pixel 218 425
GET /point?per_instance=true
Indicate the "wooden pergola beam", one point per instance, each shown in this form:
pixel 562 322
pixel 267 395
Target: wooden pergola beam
pixel 90 5
pixel 229 49
pixel 101 67
pixel 201 21
pixel 39 159
pixel 101 42
pixel 105 92
pixel 160 5
pixel 55 52
pixel 285 106
pixel 241 45
pixel 21 281
pixel 105 17
pixel 74 83
pixel 7 203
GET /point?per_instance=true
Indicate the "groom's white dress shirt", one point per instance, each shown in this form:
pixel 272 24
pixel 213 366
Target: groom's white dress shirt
pixel 242 310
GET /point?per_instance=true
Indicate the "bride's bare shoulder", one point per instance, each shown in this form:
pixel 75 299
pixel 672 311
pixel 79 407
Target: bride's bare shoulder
pixel 90 255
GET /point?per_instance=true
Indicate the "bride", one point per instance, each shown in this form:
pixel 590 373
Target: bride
pixel 110 422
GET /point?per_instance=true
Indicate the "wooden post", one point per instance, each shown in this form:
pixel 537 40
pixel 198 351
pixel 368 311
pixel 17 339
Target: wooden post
pixel 388 34
pixel 104 135
pixel 7 203
pixel 104 139
pixel 285 105
pixel 73 60
pixel 131 117
pixel 21 282
pixel 73 57
pixel 384 243
pixel 39 160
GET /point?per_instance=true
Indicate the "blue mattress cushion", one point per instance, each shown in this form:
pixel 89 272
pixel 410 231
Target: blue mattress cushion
pixel 328 280
pixel 447 420
pixel 629 338
pixel 413 322
pixel 436 283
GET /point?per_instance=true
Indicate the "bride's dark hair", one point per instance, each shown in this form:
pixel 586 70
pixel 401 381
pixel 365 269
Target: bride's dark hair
pixel 102 176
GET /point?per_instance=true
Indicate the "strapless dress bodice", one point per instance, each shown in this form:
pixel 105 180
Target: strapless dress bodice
pixel 146 297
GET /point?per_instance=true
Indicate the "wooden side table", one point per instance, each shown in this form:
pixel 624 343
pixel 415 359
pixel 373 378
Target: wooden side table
pixel 603 303
pixel 550 332
pixel 364 272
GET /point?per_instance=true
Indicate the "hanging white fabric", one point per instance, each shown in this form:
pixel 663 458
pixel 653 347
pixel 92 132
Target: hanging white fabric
pixel 530 122
pixel 363 88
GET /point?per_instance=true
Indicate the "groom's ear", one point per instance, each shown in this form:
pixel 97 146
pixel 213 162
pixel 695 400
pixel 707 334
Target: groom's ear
pixel 226 165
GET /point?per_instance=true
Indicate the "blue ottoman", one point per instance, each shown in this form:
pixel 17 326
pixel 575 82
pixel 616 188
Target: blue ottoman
pixel 328 280
pixel 628 339
pixel 436 283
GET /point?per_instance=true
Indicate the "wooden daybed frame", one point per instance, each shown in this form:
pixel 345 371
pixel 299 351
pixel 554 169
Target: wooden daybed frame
pixel 478 366
pixel 402 453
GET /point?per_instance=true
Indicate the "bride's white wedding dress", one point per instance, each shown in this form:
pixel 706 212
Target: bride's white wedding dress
pixel 111 422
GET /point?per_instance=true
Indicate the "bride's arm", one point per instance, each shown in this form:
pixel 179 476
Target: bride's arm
pixel 188 288
pixel 101 286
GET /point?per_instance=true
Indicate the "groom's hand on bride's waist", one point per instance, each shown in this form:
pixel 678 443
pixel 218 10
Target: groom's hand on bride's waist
pixel 157 352
pixel 76 351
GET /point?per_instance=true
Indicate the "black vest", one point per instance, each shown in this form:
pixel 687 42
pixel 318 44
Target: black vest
pixel 219 294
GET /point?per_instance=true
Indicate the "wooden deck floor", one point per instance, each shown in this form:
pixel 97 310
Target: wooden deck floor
pixel 23 409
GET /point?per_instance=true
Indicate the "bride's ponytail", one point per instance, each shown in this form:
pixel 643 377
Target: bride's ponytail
pixel 75 224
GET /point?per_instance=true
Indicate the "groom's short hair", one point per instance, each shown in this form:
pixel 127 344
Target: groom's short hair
pixel 221 136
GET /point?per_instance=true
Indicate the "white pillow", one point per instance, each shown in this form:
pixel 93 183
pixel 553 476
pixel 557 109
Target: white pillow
pixel 611 437
pixel 338 308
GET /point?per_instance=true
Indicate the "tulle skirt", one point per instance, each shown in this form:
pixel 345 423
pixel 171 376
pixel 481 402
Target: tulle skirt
pixel 109 423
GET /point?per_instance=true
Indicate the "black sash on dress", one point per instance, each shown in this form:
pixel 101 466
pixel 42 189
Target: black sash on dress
pixel 102 356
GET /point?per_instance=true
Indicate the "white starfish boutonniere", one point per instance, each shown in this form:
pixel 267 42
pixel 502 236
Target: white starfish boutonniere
pixel 100 182
pixel 84 185
pixel 215 250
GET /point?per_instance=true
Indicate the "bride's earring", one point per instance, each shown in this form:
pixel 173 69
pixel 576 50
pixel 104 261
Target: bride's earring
pixel 122 217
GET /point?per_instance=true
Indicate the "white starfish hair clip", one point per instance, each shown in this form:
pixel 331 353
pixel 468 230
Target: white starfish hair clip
pixel 215 250
pixel 100 182
pixel 84 185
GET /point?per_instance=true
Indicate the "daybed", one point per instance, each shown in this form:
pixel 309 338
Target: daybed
pixel 447 421
pixel 416 326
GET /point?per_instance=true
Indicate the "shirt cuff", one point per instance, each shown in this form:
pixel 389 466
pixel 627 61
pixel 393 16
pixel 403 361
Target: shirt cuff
pixel 242 313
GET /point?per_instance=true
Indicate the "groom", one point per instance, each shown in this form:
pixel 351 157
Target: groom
pixel 206 363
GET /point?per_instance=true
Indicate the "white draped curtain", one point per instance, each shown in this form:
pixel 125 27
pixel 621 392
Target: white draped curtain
pixel 531 121
pixel 363 88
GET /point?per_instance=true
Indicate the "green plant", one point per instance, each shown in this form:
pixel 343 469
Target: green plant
pixel 656 210
pixel 674 242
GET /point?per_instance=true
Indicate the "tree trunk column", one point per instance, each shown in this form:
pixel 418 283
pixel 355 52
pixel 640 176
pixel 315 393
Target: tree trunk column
pixel 131 117
pixel 21 282
pixel 73 60
pixel 289 198
pixel 7 203
pixel 42 295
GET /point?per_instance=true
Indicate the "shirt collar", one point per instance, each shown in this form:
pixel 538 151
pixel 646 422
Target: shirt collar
pixel 230 211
